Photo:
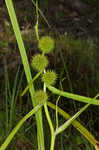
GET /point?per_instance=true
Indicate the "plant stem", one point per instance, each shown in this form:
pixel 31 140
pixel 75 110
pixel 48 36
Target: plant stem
pixel 69 122
pixel 51 127
pixel 72 96
pixel 76 124
pixel 15 130
pixel 52 142
pixel 37 16
pixel 41 13
pixel 23 54
pixel 49 121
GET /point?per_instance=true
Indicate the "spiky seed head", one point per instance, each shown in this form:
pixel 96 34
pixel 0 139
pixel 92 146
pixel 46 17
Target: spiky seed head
pixel 39 62
pixel 40 96
pixel 46 44
pixel 49 77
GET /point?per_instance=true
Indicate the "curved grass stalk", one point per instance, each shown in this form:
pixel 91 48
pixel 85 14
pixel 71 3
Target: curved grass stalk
pixel 76 124
pixel 51 127
pixel 37 17
pixel 73 96
pixel 15 130
pixel 57 111
pixel 49 122
pixel 42 15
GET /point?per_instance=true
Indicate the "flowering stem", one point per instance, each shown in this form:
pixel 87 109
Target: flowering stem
pixel 49 121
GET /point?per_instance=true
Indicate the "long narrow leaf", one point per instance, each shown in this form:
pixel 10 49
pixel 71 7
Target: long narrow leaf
pixel 15 130
pixel 17 32
pixel 25 62
pixel 69 122
pixel 76 124
pixel 73 96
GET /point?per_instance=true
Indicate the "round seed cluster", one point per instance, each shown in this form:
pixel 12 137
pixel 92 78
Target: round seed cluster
pixel 39 62
pixel 49 77
pixel 46 44
pixel 40 96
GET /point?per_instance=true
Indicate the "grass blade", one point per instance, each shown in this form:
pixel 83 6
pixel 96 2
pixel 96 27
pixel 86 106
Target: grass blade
pixel 73 96
pixel 76 124
pixel 25 62
pixel 69 122
pixel 15 130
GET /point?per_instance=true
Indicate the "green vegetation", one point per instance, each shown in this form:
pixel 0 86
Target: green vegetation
pixel 43 91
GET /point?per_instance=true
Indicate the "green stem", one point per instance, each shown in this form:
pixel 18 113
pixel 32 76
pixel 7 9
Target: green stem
pixel 36 26
pixel 57 112
pixel 69 122
pixel 51 127
pixel 50 122
pixel 25 62
pixel 73 96
pixel 15 130
pixel 48 118
pixel 76 124
pixel 42 15
pixel 52 142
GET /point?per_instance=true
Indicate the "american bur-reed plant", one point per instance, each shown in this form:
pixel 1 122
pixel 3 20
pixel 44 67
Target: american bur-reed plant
pixel 40 98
